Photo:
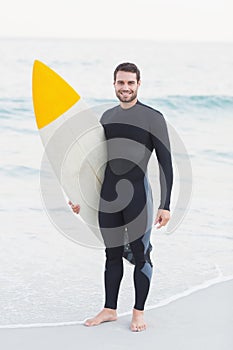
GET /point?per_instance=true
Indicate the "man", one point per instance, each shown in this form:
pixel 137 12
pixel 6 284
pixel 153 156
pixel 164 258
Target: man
pixel 132 131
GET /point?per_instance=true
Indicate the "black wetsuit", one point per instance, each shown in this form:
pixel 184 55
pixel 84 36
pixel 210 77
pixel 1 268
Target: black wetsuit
pixel 126 206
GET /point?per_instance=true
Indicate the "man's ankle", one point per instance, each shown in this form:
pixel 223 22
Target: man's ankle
pixel 138 311
pixel 110 309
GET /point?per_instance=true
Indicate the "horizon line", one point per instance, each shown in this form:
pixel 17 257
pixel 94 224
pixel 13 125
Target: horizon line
pixel 119 39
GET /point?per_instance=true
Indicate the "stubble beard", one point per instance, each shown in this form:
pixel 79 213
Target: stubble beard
pixel 126 99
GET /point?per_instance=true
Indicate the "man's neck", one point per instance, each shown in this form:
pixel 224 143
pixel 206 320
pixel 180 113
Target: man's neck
pixel 126 105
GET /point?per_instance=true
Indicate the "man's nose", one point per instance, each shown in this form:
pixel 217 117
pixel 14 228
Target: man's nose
pixel 125 86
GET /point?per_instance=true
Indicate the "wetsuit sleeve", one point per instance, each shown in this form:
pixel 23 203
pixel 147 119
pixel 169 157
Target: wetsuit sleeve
pixel 161 144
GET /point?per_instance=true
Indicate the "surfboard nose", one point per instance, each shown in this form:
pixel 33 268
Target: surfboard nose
pixel 52 95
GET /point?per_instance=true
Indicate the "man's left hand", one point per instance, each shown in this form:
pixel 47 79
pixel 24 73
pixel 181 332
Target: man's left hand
pixel 162 218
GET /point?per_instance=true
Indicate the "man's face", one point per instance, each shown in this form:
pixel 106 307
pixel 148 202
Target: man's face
pixel 126 86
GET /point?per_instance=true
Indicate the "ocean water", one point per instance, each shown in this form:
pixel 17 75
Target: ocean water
pixel 47 279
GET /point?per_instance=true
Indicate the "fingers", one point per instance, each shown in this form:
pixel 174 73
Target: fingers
pixel 162 222
pixel 163 216
pixel 74 207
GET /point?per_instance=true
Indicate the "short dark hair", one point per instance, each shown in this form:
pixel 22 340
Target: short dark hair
pixel 127 67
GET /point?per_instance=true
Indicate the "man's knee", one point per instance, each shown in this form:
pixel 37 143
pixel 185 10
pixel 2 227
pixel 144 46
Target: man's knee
pixel 141 256
pixel 114 254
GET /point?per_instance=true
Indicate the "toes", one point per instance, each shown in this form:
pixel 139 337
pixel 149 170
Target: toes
pixel 89 323
pixel 135 328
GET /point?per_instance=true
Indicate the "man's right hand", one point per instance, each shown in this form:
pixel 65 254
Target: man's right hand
pixel 74 207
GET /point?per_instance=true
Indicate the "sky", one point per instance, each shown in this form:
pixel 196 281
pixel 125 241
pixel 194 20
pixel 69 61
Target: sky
pixel 162 20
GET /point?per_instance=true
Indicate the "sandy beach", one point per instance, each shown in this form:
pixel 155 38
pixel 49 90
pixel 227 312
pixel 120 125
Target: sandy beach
pixel 202 320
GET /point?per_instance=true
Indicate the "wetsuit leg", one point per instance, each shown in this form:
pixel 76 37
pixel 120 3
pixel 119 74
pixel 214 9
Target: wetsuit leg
pixel 143 269
pixel 112 230
pixel 113 275
pixel 141 246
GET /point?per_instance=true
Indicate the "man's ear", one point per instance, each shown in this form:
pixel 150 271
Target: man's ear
pixel 139 82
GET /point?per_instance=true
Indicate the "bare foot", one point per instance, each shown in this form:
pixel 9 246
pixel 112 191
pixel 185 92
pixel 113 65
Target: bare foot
pixel 138 324
pixel 105 315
